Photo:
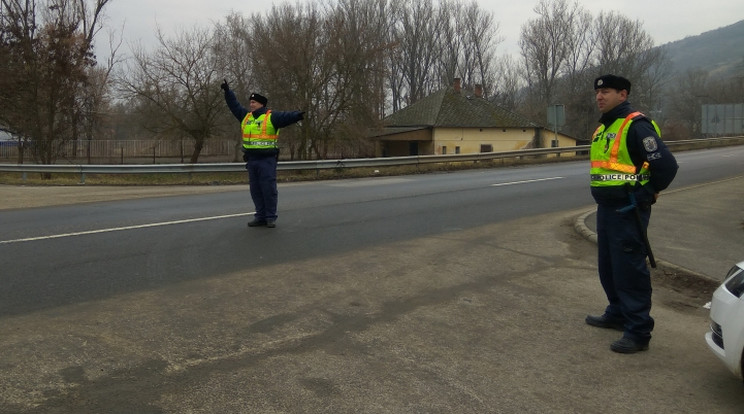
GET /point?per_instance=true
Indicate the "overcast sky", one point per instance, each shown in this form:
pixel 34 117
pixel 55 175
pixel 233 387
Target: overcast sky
pixel 664 20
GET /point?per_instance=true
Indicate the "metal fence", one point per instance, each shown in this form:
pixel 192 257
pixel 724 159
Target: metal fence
pixel 129 151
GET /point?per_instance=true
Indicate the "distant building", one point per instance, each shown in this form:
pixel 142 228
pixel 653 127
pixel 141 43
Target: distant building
pixel 454 121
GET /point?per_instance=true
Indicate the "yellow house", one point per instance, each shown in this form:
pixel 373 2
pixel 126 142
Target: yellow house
pixel 455 121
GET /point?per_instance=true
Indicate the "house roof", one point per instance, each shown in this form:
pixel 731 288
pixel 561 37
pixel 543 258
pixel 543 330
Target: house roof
pixel 396 130
pixel 450 108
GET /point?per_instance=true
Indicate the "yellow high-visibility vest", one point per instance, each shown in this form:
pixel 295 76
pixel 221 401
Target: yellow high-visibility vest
pixel 259 133
pixel 611 164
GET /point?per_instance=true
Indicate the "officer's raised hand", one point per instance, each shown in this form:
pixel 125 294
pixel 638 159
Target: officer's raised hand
pixel 224 86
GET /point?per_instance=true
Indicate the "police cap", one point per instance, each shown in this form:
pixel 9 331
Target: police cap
pixel 612 81
pixel 259 98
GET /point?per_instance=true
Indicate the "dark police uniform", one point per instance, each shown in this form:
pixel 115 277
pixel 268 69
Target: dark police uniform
pixel 261 161
pixel 649 168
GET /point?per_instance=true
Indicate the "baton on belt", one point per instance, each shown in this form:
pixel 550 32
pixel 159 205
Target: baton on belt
pixel 639 223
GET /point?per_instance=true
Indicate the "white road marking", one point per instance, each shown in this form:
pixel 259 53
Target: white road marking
pixel 194 220
pixel 113 229
pixel 366 183
pixel 526 181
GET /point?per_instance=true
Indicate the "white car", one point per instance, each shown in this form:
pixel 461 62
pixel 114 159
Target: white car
pixel 726 336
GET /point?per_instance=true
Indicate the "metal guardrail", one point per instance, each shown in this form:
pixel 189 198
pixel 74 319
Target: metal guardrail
pixel 84 169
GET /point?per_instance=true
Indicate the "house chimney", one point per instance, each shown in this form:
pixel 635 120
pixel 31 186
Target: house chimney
pixel 457 85
pixel 478 90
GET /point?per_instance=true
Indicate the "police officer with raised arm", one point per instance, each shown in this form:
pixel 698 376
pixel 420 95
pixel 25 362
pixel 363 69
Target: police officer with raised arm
pixel 260 127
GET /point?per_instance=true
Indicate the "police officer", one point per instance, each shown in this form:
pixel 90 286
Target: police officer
pixel 630 165
pixel 260 127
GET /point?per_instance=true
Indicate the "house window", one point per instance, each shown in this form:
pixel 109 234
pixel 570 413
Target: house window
pixel 486 148
pixel 457 150
pixel 444 150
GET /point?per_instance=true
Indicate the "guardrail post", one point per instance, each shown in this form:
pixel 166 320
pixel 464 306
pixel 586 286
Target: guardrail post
pixel 82 175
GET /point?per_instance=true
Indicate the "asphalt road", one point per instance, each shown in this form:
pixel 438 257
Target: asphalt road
pixel 153 242
pixel 461 292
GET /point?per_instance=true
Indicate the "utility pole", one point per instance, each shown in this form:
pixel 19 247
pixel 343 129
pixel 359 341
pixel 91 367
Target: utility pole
pixel 556 118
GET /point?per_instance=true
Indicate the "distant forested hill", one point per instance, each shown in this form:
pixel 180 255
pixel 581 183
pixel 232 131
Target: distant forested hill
pixel 719 52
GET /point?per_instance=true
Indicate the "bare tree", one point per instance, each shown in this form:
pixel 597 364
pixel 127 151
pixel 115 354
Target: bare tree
pixel 452 48
pixel 687 96
pixel 363 25
pixel 232 48
pixel 480 38
pixel 176 88
pixel 466 46
pixel 97 98
pixel 294 66
pixel 434 43
pixel 565 48
pixel 393 61
pixel 48 48
pixel 546 43
pixel 574 89
pixel 509 85
pixel 326 62
pixel 417 35
pixel 622 47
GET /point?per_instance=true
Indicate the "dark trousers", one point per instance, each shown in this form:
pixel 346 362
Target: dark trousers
pixel 262 181
pixel 623 271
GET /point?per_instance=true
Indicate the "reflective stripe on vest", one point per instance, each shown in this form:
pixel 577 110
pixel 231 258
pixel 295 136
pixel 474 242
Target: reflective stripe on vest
pixel 259 133
pixel 620 177
pixel 612 165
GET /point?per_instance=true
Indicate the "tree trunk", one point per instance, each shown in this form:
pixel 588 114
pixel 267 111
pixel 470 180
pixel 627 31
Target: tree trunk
pixel 198 145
